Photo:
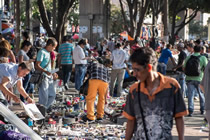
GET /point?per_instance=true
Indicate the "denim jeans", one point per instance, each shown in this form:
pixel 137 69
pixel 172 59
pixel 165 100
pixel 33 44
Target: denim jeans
pixel 47 92
pixel 192 88
pixel 66 73
pixel 80 71
pixel 181 79
pixel 30 88
pixel 162 68
pixel 25 84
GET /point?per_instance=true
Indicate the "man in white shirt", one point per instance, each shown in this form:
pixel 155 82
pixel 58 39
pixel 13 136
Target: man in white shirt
pixel 80 63
pixel 118 59
pixel 111 45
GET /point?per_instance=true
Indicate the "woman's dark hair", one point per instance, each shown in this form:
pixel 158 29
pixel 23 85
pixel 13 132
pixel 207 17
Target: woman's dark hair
pixel 25 43
pixel 144 56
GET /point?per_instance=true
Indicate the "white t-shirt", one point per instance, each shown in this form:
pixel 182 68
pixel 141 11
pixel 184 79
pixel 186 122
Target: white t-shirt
pixel 118 58
pixel 79 55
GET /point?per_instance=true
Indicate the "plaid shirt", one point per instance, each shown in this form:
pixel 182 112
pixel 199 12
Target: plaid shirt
pixel 98 71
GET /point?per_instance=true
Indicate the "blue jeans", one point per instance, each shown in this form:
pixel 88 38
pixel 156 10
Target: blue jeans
pixel 162 68
pixel 30 88
pixel 66 73
pixel 192 88
pixel 47 92
pixel 181 79
pixel 25 84
pixel 80 71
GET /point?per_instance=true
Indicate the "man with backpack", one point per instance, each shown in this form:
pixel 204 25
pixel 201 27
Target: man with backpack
pixel 194 66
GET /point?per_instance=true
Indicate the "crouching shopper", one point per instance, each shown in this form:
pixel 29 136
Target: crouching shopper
pixel 153 102
pixel 46 91
pixel 98 83
pixel 11 74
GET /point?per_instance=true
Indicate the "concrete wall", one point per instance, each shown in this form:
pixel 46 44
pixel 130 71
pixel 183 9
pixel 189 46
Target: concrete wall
pixel 93 20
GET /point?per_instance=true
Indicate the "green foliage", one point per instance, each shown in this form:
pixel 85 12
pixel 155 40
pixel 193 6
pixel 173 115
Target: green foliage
pixel 197 29
pixel 74 15
pixel 116 20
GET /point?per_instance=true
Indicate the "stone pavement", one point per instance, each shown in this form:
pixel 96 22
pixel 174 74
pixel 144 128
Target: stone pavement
pixel 193 126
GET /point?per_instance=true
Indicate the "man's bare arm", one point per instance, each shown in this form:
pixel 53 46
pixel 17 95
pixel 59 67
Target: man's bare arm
pixel 129 129
pixel 23 92
pixel 180 127
pixel 6 91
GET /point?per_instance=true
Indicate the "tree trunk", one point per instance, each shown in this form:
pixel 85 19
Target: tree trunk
pixel 64 7
pixel 45 21
pixel 54 14
pixel 165 20
pixel 17 29
pixel 142 13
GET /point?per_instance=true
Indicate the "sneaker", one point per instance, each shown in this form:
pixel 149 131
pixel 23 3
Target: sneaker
pixel 85 119
pixel 66 87
pixel 196 98
pixel 202 112
pixel 99 120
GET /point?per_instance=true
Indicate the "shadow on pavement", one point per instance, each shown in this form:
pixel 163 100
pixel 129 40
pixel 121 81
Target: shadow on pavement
pixel 193 138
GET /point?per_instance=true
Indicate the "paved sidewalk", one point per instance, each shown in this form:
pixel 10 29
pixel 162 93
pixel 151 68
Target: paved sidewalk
pixel 193 126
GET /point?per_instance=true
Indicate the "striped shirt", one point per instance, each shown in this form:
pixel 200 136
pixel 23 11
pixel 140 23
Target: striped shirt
pixel 66 51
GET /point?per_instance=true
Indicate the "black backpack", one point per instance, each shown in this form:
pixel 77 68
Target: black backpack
pixel 193 67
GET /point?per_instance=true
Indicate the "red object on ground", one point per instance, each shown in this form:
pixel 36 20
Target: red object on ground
pixel 68 103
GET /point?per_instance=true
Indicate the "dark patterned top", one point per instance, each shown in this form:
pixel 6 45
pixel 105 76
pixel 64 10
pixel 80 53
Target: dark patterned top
pixel 98 71
pixel 158 109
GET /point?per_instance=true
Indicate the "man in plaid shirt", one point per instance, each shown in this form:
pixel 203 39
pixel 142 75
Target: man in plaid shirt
pixel 98 83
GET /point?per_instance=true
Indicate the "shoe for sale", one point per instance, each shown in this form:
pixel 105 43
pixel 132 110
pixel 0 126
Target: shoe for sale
pixel 85 119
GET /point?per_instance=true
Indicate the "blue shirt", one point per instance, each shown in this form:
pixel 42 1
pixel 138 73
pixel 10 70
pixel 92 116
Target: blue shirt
pixel 66 51
pixel 9 70
pixel 44 56
pixel 166 53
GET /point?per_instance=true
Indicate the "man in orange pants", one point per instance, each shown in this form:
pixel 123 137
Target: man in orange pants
pixel 98 83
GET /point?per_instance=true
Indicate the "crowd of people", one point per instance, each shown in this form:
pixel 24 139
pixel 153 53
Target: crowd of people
pixel 153 99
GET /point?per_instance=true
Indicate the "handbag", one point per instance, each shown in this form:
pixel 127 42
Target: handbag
pixel 37 76
pixel 142 115
pixel 84 88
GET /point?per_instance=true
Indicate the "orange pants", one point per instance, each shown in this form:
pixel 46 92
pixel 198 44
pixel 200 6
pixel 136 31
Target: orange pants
pixel 95 86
